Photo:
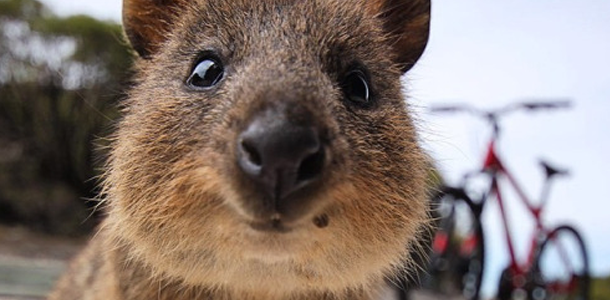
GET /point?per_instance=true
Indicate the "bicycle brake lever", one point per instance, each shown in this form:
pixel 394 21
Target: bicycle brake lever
pixel 546 105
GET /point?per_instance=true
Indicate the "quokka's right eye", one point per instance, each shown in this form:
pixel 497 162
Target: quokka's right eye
pixel 207 73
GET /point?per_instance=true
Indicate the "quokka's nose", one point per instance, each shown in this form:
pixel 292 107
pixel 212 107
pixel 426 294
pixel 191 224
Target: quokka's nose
pixel 280 156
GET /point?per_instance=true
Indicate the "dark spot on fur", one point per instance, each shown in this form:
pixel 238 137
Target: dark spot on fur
pixel 321 221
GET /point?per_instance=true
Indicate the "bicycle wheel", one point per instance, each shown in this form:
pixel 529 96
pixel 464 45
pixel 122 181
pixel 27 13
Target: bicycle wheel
pixel 561 269
pixel 456 262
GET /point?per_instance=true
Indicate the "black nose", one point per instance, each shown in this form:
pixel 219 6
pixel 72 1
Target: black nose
pixel 280 156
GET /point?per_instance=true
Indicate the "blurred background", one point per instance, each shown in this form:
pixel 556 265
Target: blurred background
pixel 64 68
pixel 61 78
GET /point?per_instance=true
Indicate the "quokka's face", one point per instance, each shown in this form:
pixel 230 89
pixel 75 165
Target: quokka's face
pixel 266 140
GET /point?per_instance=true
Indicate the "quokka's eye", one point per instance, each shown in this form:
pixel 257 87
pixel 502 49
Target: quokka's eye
pixel 206 74
pixel 356 88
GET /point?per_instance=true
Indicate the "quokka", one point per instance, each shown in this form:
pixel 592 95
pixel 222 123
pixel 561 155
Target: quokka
pixel 266 151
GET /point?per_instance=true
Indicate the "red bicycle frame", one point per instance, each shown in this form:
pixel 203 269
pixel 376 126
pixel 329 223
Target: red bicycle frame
pixel 494 166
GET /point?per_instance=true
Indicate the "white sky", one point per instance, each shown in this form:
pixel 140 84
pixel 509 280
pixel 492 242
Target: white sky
pixel 490 53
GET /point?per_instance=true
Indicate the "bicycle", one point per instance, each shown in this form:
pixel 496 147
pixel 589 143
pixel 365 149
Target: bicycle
pixel 458 252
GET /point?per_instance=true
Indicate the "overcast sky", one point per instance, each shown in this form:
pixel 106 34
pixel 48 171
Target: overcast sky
pixel 491 53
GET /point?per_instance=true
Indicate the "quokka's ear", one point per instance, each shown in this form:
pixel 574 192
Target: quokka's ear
pixel 407 22
pixel 147 23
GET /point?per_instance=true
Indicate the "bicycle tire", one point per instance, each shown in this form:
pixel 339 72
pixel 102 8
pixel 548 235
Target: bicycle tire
pixel 457 267
pixel 577 285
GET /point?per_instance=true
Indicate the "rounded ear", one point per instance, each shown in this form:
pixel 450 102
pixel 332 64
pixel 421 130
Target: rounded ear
pixel 147 23
pixel 407 22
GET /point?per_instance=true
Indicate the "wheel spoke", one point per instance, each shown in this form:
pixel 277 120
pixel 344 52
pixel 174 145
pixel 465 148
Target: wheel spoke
pixel 561 268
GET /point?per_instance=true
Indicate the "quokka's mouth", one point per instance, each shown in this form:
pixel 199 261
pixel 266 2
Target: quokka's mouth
pixel 277 225
pixel 271 227
pixel 272 224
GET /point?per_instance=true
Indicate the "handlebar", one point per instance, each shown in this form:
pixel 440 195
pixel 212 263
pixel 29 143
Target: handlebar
pixel 545 105
pixel 494 114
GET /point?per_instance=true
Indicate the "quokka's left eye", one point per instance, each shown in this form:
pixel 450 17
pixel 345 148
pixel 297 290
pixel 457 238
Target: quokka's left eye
pixel 356 88
pixel 206 73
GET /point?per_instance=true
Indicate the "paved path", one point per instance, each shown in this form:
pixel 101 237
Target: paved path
pixel 28 278
pixel 30 263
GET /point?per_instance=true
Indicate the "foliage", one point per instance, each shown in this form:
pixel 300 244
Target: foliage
pixel 60 81
pixel 600 289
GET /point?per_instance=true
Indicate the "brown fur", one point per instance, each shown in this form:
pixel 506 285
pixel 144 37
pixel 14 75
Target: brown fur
pixel 179 211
